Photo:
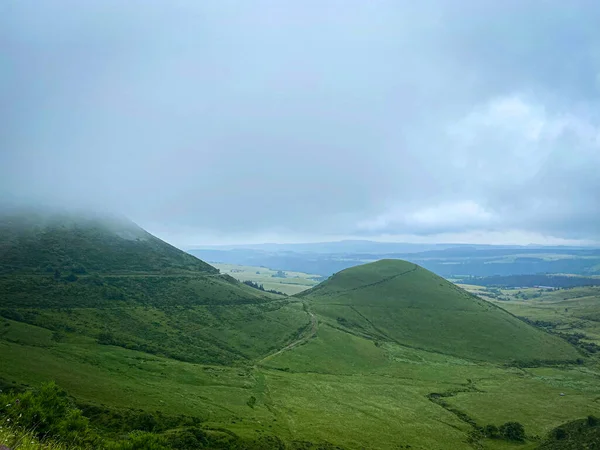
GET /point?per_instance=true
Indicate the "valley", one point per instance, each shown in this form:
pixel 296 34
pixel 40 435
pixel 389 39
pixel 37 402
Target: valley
pixel 288 283
pixel 385 355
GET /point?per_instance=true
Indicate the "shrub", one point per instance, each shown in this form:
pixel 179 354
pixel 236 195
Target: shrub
pixel 512 431
pixel 141 440
pixel 106 338
pixel 560 434
pixel 190 439
pixel 71 278
pixel 11 314
pixel 490 431
pixel 47 411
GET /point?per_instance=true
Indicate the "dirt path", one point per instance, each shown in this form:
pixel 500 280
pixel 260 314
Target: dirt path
pixel 314 325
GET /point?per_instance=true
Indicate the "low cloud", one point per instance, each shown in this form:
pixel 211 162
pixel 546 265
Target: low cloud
pixel 282 121
pixel 446 217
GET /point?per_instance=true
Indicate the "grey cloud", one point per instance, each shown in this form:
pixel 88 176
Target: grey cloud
pixel 316 118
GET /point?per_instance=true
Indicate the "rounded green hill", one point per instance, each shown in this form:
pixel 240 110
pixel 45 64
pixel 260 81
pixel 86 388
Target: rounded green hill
pixel 401 302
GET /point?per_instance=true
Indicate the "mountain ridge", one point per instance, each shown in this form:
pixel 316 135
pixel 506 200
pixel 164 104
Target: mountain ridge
pixel 44 242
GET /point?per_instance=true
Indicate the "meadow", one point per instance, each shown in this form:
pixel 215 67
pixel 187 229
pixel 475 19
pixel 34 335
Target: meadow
pixel 161 351
pixel 292 282
pixel 352 383
pixel 573 311
pixel 335 388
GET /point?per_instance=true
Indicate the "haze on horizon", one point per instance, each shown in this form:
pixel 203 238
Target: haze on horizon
pixel 231 121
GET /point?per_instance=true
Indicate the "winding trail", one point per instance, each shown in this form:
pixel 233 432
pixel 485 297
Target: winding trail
pixel 305 336
pixel 314 323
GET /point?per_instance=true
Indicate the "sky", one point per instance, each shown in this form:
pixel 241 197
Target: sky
pixel 286 121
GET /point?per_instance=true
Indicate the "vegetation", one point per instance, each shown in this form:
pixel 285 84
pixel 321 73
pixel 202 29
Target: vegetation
pixel 292 283
pixel 386 355
pixel 46 418
pixel 509 431
pixel 512 431
pixel 574 435
pixel 47 412
pixel 552 281
pixel 399 302
pixel 260 287
pixel 12 437
pixel 60 244
pixel 572 314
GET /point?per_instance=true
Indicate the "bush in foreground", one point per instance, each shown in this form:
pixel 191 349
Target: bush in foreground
pixel 17 438
pixel 47 411
pixel 48 419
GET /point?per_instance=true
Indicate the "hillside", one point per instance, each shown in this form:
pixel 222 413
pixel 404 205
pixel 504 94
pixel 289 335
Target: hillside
pixel 43 242
pixel 105 278
pixel 397 301
pixel 165 350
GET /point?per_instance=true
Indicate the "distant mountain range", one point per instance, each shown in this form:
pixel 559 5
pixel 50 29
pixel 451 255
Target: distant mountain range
pixel 447 260
pixel 366 246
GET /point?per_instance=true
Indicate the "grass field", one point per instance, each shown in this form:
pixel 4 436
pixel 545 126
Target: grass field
pixel 337 387
pixel 573 311
pixel 382 356
pixel 352 382
pixel 293 283
pixel 400 302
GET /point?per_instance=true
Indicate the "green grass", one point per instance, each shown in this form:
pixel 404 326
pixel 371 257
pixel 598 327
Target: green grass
pixel 16 438
pixel 366 395
pixel 234 334
pixel 178 306
pixel 569 311
pixel 575 435
pixel 35 242
pixel 534 400
pixel 294 283
pixel 352 362
pixel 399 302
pixel 202 318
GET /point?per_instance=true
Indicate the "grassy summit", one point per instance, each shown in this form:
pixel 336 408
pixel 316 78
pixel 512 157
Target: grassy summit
pixel 397 301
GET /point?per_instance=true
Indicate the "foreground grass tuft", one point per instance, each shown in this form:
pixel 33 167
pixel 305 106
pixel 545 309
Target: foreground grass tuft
pixel 16 438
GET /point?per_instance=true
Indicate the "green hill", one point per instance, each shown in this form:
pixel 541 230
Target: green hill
pixel 155 346
pixel 104 277
pixel 42 242
pixel 575 435
pixel 397 301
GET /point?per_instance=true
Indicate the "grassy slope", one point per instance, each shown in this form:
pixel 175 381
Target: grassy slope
pixel 346 391
pixel 200 319
pixel 43 242
pixel 14 437
pixel 575 435
pixel 399 302
pixel 135 291
pixel 351 369
pixel 569 311
pixel 338 386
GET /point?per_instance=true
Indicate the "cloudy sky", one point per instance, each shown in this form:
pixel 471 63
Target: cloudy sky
pixel 246 121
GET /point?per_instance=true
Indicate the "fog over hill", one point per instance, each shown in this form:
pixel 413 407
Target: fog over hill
pixel 399 167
